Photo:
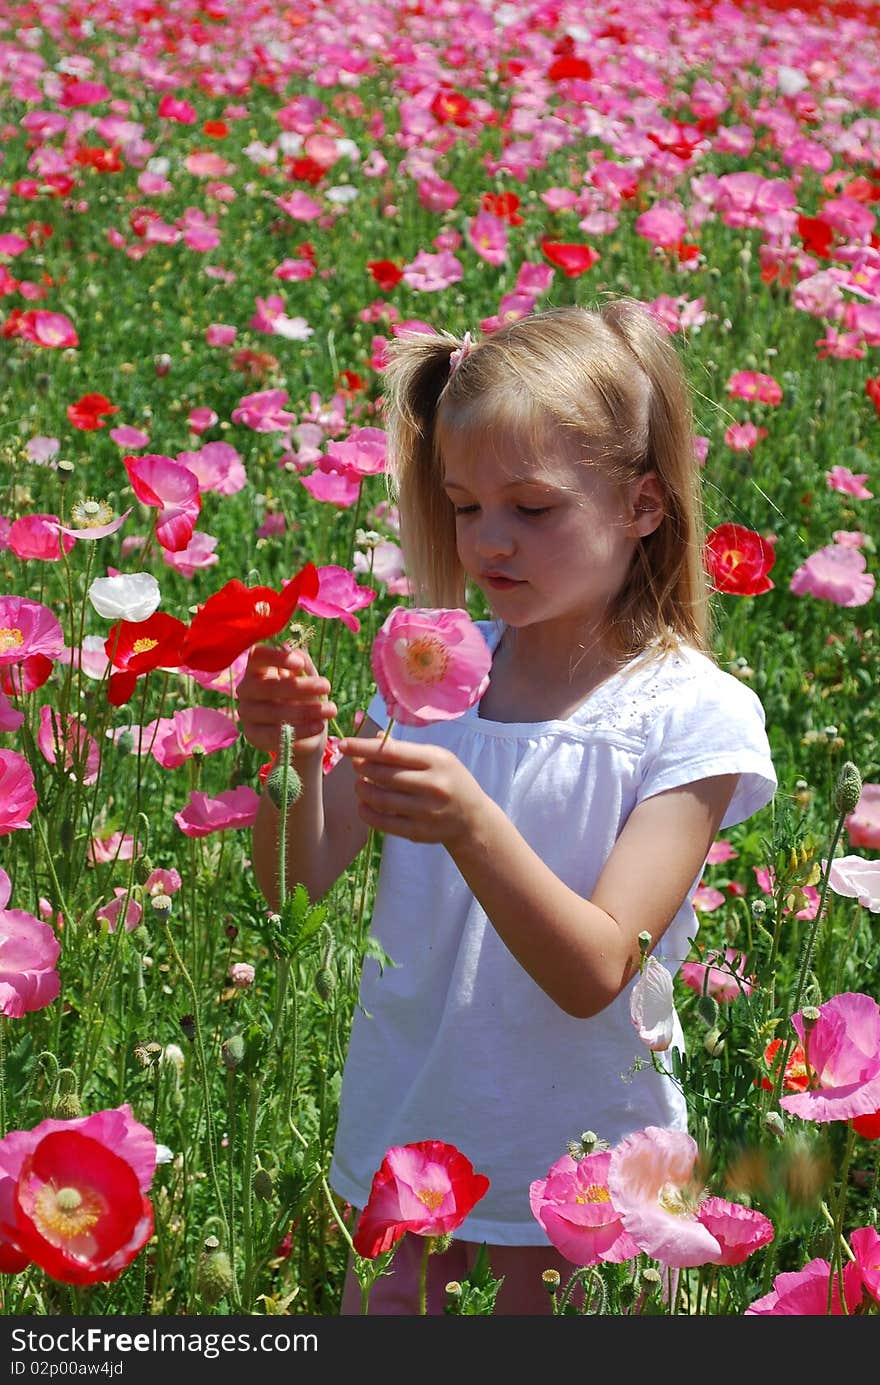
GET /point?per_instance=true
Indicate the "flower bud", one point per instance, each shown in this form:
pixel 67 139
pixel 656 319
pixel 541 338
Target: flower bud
pixel 454 1289
pixel 325 983
pixel 707 1009
pixel 232 1051
pixel 263 1185
pixel 143 869
pixel 713 1043
pixel 125 742
pixel 215 1279
pixel 774 1123
pixel 275 786
pixel 848 789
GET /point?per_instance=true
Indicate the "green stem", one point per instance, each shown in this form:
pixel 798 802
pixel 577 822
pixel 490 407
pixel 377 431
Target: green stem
pixel 839 1214
pixel 247 1191
pixel 423 1277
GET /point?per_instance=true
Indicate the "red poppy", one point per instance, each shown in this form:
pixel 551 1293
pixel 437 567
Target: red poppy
pixel 816 235
pixel 872 390
pixel 570 258
pixel 305 170
pixel 349 382
pixel 796 1078
pixel 215 129
pixel 80 1213
pixel 426 1188
pixel 136 647
pixel 102 160
pixel 386 273
pixel 452 108
pixel 139 219
pixel 687 251
pixel 237 617
pixel 569 66
pixel 738 560
pixel 868 1126
pixel 89 411
pixel 504 205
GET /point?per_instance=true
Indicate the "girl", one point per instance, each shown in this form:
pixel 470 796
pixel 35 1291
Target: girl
pixel 530 841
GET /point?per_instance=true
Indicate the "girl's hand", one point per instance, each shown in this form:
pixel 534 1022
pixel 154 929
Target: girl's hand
pixel 421 792
pixel 283 685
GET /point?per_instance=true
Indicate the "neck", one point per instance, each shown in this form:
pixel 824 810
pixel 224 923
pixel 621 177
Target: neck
pixel 574 657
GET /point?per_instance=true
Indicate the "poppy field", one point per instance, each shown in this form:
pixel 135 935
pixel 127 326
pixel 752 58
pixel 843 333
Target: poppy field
pixel 214 217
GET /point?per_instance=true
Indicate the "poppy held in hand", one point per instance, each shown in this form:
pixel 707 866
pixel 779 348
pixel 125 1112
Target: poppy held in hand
pixel 237 617
pixel 738 560
pixel 429 665
pixel 427 1188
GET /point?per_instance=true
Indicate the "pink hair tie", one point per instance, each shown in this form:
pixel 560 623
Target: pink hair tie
pixel 456 357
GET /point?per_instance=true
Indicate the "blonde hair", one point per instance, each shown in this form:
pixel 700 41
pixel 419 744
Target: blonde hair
pixel 612 382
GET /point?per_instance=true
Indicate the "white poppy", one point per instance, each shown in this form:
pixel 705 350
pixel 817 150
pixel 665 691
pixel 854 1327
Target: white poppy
pixel 651 1006
pixel 130 596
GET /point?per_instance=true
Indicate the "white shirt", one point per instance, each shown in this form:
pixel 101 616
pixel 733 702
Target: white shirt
pixel 455 1041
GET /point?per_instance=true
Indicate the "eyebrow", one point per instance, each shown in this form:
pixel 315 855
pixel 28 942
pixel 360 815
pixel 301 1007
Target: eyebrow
pixel 508 485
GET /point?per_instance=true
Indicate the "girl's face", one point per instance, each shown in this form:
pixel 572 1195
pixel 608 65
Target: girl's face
pixel 545 536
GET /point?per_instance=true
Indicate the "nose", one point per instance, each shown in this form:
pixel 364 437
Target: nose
pixel 493 537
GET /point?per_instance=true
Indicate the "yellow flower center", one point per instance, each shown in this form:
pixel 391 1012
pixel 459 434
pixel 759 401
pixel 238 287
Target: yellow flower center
pixel 142 645
pixel 64 1213
pixel 426 658
pixel 430 1197
pixel 10 639
pixel 595 1193
pixel 680 1202
pixel 90 514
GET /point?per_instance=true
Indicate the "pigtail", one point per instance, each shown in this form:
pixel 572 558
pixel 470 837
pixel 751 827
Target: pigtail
pixel 417 373
pixel 667 587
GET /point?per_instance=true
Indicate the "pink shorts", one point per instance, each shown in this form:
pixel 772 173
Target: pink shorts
pixel 523 1291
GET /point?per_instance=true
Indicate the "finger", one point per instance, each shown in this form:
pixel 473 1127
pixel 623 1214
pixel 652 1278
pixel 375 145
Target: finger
pixel 385 801
pixel 270 656
pixel 284 689
pixel 373 749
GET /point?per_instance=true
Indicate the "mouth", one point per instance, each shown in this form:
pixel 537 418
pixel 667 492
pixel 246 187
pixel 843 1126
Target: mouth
pixel 499 581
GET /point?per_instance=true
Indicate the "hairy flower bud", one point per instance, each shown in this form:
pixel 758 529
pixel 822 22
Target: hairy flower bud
pixel 215 1279
pixel 275 786
pixel 707 1009
pixel 232 1051
pixel 263 1185
pixel 143 869
pixel 848 789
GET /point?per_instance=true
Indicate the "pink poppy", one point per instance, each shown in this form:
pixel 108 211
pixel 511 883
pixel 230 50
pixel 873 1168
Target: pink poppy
pixel 83 93
pixel 220 334
pixel 726 982
pixel 116 847
pixel 52 330
pixel 512 308
pixel 175 108
pixel 804 1293
pixel 105 1163
pixel 332 488
pixel 362 453
pixel 843 1051
pixel 18 797
pixel 163 882
pixel 201 419
pixel 652 1182
pixel 720 851
pixel 429 273
pixel 109 913
pixel 739 1231
pixel 175 739
pixel 173 490
pixel 663 226
pixel 203 815
pixel 217 467
pixel 705 898
pixel 651 1008
pixel 87 516
pixel 68 740
pixel 429 665
pixel 866 1247
pixel 863 825
pixel 37 536
pixel 226 680
pixel 742 437
pixel 198 554
pixel 264 412
pixel 574 1207
pixel 840 478
pixel 427 1188
pixel 856 878
pixel 10 719
pixel 90 656
pixel 339 596
pixel 488 236
pixel 835 573
pixel 26 628
pixel 29 952
pixel 751 384
pixel 299 206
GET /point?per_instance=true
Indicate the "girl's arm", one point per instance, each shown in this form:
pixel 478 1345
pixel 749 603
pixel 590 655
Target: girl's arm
pixel 324 832
pixel 581 952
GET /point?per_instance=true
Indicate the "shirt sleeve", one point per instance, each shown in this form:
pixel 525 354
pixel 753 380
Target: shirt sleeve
pixel 714 726
pixel 378 712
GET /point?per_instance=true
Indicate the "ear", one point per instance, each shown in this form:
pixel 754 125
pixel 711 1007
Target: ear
pixel 646 500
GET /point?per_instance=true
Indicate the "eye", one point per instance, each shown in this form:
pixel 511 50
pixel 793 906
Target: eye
pixel 466 509
pixel 531 512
